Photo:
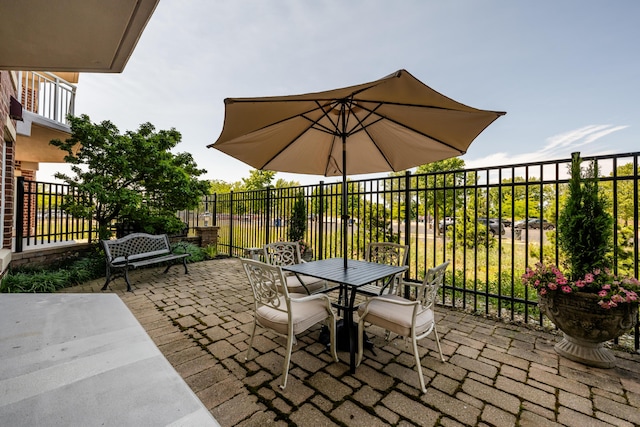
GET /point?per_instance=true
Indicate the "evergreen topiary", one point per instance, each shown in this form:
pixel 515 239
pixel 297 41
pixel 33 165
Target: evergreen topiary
pixel 298 220
pixel 585 227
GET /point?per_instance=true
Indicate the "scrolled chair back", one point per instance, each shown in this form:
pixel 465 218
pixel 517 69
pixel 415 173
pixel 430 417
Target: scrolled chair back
pixel 268 284
pixel 282 253
pixel 432 282
pixel 387 253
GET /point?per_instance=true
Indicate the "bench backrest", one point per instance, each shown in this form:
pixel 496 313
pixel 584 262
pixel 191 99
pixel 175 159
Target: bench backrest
pixel 136 246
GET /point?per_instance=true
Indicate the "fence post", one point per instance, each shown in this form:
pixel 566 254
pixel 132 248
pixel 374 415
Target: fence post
pixel 214 211
pixel 267 237
pixel 19 219
pixel 407 226
pixel 231 223
pixel 320 219
pixel 407 210
pixel 636 204
pixel 91 223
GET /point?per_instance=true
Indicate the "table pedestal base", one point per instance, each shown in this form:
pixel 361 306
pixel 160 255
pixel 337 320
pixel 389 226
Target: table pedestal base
pixel 342 336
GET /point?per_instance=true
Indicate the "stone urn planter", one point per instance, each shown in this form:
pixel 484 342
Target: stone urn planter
pixel 586 326
pixel 307 255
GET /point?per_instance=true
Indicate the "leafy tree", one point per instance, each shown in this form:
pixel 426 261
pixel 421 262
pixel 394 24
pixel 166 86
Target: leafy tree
pixel 375 224
pixel 624 250
pixel 523 198
pixel 625 192
pixel 283 183
pixel 132 176
pixel 220 186
pixel 396 187
pixel 474 235
pixel 332 200
pixel 440 194
pixel 258 179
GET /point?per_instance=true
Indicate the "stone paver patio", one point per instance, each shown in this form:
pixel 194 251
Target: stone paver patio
pixel 495 374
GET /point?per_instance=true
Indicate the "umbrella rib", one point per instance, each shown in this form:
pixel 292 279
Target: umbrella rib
pixel 383 117
pixel 325 114
pixel 313 124
pixel 364 128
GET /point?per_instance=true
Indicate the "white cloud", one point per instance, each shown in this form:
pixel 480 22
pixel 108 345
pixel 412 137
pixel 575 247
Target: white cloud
pixel 556 147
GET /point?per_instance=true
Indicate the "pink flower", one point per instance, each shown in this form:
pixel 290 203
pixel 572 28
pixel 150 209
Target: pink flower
pixel 548 279
pixel 604 305
pixel 617 298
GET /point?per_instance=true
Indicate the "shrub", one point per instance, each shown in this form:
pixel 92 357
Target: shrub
pixel 76 272
pixel 211 251
pixel 197 253
pixel 51 279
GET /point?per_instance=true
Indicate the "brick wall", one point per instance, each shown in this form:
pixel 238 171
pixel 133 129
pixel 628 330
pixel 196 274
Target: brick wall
pixel 7 89
pixel 45 257
pixel 27 174
pixel 29 203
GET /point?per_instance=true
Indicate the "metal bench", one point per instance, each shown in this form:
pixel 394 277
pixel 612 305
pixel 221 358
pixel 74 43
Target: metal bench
pixel 139 250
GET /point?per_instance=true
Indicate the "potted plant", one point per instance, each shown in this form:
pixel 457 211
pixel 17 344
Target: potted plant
pixel 590 304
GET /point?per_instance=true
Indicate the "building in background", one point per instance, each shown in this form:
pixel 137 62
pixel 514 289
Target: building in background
pixel 65 39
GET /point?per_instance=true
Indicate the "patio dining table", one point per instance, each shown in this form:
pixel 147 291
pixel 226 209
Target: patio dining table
pixel 356 275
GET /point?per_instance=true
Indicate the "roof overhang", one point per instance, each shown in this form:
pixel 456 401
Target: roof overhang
pixel 71 35
pixel 33 136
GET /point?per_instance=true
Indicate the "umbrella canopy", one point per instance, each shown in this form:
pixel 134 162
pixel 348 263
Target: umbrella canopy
pixel 391 124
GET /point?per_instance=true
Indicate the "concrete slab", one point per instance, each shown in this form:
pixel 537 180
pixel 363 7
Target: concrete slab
pixel 84 359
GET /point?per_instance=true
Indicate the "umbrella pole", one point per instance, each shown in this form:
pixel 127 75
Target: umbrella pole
pixel 345 216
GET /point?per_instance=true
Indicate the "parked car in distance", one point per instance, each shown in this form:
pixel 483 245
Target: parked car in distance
pixel 494 225
pixel 535 223
pixel 506 222
pixel 445 223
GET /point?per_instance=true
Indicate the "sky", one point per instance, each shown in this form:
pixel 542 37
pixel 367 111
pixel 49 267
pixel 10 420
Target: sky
pixel 566 72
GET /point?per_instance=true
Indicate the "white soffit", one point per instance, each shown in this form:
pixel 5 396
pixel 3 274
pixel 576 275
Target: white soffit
pixel 71 35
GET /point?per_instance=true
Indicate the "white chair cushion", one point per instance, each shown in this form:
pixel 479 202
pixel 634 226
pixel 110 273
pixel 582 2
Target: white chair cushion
pixel 304 315
pixel 295 287
pixel 395 318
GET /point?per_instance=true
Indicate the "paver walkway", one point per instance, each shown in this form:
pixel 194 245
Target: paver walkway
pixel 495 374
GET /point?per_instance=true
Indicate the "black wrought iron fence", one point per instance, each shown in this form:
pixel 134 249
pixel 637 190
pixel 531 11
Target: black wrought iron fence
pixel 490 222
pixel 40 219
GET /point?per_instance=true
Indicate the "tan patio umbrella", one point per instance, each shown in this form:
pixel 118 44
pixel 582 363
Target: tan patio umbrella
pixel 391 124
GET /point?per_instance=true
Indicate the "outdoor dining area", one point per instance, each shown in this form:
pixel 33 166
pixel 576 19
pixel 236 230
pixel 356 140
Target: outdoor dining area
pixel 494 372
pixel 290 295
pixel 354 337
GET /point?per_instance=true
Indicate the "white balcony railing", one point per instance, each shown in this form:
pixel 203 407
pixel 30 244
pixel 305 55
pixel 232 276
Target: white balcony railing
pixel 47 95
